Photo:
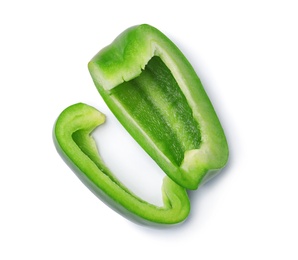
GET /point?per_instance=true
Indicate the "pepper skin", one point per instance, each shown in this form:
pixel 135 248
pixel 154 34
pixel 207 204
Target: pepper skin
pixel 156 95
pixel 73 140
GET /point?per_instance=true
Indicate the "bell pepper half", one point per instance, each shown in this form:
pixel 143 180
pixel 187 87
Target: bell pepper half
pixel 157 96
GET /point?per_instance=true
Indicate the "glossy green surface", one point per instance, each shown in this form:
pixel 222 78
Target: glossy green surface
pixel 73 139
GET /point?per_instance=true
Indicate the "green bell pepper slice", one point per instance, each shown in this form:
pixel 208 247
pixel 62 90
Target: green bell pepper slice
pixel 156 95
pixel 73 139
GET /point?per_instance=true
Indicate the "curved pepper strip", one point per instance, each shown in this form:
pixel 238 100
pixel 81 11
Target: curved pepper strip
pixel 72 136
pixel 156 95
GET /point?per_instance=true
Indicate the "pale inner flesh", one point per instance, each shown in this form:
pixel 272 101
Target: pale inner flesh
pixel 155 101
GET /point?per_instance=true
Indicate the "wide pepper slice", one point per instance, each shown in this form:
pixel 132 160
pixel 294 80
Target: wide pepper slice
pixel 156 95
pixel 73 139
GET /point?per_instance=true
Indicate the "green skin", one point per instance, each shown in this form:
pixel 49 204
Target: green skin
pixel 155 93
pixel 73 140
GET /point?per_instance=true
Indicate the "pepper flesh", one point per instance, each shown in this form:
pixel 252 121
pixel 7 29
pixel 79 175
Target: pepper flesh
pixel 73 139
pixel 155 93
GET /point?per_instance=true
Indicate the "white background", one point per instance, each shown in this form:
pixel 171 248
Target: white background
pixel 246 55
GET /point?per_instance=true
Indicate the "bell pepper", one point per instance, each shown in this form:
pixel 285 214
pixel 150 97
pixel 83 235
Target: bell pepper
pixel 156 95
pixel 73 139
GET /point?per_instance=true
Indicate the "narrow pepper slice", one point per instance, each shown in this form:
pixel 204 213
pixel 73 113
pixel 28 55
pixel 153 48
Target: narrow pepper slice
pixel 156 95
pixel 72 137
